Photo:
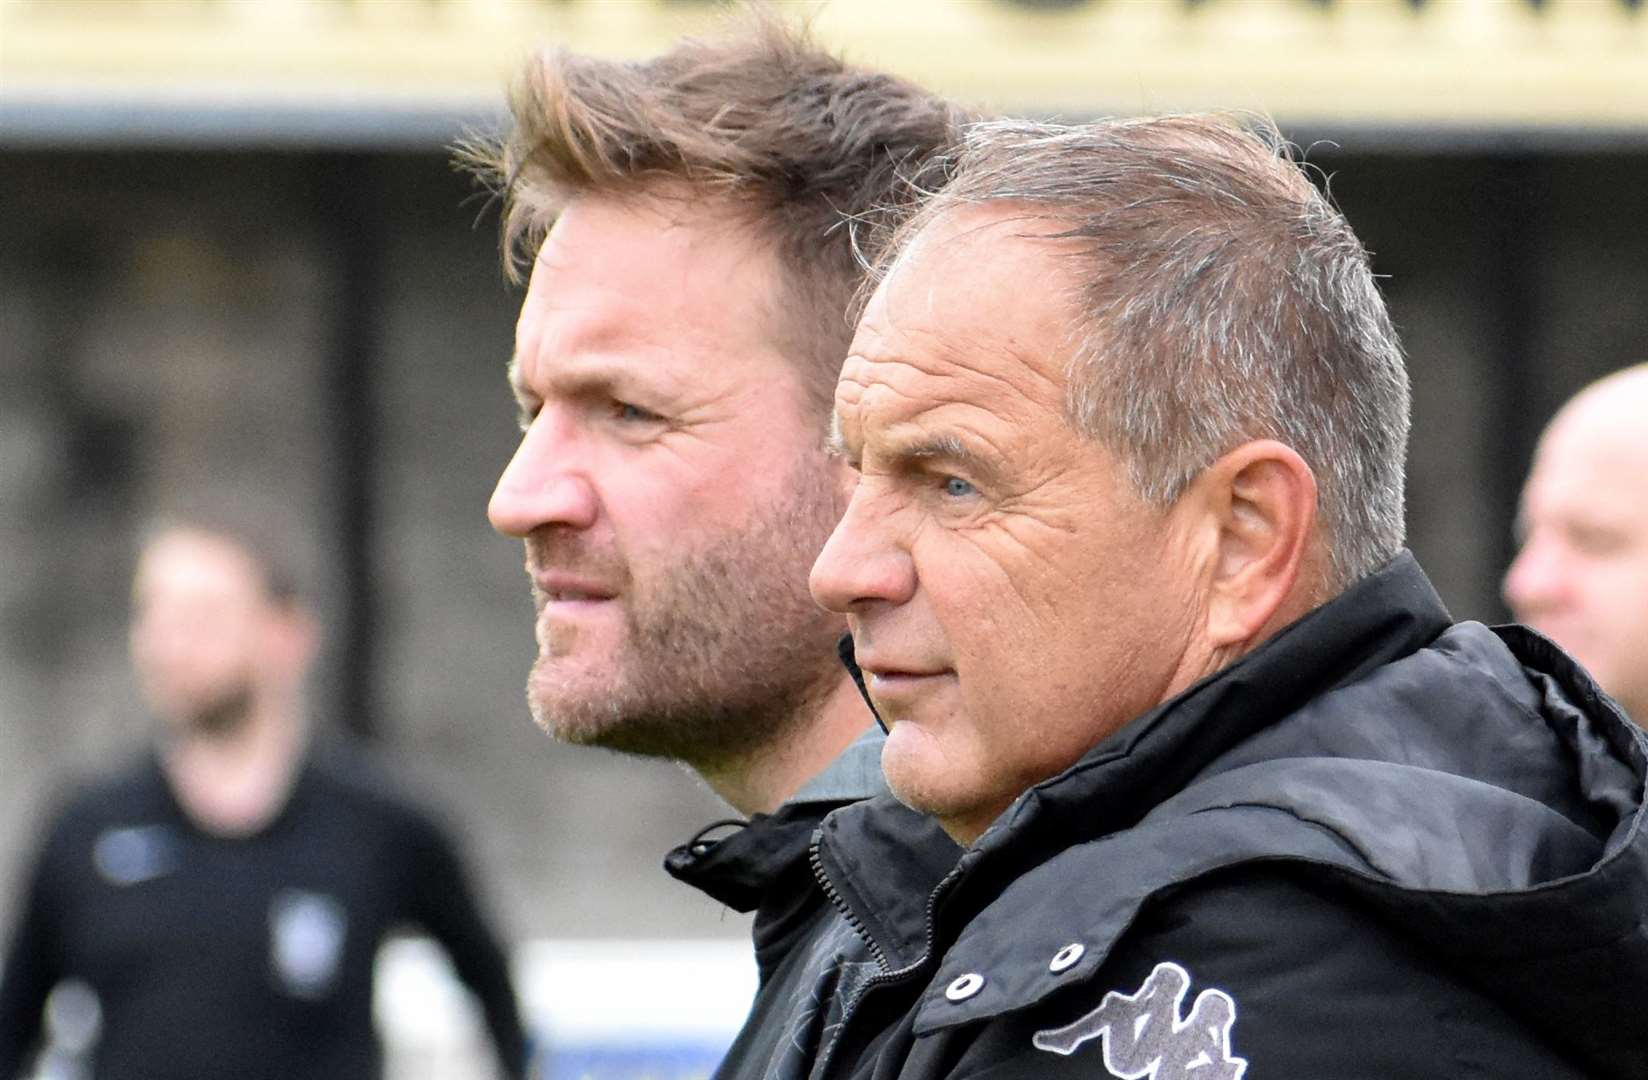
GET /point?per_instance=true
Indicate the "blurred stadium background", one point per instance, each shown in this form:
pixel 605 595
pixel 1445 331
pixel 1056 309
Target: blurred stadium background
pixel 234 258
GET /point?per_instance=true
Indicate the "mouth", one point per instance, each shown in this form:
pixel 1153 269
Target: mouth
pixel 902 678
pixel 570 596
pixel 560 592
pixel 887 680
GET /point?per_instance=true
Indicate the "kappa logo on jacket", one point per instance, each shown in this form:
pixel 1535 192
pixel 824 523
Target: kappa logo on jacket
pixel 1145 1038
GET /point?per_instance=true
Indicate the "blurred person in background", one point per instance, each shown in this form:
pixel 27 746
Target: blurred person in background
pixel 689 221
pixel 225 895
pixel 1581 577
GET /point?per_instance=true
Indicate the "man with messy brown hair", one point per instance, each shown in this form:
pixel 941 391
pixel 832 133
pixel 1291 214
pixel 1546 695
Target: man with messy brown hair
pixel 690 225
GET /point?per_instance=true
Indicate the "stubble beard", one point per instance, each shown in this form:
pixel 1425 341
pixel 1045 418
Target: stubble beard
pixel 724 653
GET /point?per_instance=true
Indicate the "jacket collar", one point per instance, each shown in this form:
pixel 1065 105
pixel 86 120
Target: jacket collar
pixel 1389 614
pixel 762 865
pixel 741 866
pixel 855 774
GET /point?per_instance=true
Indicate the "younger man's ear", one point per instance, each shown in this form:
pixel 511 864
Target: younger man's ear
pixel 1261 498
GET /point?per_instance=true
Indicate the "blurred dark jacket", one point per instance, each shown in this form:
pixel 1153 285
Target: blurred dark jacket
pixel 241 956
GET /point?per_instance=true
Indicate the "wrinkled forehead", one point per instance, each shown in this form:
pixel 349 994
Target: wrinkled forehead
pixel 978 308
pixel 663 268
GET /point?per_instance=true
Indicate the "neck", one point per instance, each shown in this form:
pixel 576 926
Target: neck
pixel 761 781
pixel 234 782
pixel 1636 710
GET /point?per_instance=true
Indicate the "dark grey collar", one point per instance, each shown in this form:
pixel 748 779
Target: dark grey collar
pixel 854 775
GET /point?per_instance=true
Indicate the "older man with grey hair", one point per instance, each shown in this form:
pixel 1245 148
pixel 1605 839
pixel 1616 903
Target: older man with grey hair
pixel 1124 573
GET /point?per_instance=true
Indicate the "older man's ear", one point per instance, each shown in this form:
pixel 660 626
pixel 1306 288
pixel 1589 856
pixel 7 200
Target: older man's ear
pixel 1266 567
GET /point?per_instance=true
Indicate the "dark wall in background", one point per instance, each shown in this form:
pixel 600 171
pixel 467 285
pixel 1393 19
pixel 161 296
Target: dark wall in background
pixel 1514 279
pixel 324 338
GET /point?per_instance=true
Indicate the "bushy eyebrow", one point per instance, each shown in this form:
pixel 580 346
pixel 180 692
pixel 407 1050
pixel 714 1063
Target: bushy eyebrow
pixel 516 385
pixel 835 444
pixel 525 402
pixel 937 446
pixel 572 377
pixel 946 446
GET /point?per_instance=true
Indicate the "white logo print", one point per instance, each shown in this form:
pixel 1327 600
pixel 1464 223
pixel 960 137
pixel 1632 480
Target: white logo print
pixel 306 937
pixel 1144 1037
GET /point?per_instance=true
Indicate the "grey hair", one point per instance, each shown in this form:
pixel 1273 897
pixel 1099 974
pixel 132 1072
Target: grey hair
pixel 1222 298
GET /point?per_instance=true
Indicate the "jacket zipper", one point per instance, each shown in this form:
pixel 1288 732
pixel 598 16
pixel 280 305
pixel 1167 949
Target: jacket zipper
pixel 840 904
pixel 885 977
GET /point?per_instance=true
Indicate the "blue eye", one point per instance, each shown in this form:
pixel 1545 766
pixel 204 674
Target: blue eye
pixel 957 488
pixel 632 413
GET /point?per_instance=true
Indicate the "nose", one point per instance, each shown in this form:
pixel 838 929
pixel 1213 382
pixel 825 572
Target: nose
pixel 1535 580
pixel 864 563
pixel 545 483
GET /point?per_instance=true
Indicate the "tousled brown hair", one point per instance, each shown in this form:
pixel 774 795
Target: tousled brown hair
pixel 803 147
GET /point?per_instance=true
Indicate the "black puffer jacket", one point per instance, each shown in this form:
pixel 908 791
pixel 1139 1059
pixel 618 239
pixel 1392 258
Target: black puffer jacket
pixel 1381 845
pixel 801 942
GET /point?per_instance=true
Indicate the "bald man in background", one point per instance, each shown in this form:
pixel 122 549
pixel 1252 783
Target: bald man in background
pixel 1581 577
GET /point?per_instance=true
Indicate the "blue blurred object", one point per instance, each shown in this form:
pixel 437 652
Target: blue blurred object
pixel 674 1060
